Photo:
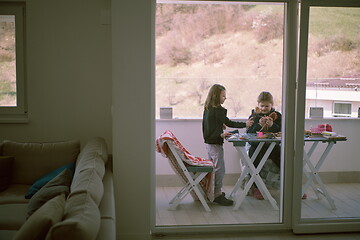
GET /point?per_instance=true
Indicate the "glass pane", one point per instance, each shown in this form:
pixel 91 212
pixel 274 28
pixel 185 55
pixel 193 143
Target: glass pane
pixel 342 108
pixel 7 61
pixel 331 177
pixel 333 59
pixel 198 44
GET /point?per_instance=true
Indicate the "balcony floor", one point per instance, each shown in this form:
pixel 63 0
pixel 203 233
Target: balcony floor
pixel 190 212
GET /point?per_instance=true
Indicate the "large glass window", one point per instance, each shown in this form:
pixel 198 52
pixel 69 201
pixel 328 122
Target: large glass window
pixel 12 86
pixel 331 169
pixel 333 61
pixel 198 44
pixel 8 61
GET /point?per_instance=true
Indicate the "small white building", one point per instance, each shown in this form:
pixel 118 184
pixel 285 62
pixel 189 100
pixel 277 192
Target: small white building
pixel 339 97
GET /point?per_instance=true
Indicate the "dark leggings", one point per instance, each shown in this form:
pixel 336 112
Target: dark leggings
pixel 274 156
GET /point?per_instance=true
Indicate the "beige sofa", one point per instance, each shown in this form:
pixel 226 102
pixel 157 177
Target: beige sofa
pixel 77 203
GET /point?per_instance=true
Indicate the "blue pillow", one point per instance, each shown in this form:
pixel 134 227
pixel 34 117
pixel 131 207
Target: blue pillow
pixel 46 178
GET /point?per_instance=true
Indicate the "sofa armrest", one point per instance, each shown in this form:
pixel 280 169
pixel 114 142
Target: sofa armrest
pixel 6 168
pixel 107 209
pixel 107 204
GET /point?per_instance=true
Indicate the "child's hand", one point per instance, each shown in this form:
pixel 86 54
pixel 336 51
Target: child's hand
pixel 250 122
pixel 225 134
pixel 269 121
pixel 224 126
pixel 262 121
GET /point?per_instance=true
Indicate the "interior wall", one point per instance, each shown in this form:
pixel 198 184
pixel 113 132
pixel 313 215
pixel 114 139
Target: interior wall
pixel 133 116
pixel 68 72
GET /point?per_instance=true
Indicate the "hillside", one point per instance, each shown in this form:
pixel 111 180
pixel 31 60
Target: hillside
pixel 246 60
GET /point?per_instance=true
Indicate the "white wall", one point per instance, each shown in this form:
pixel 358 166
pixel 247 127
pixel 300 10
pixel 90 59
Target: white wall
pixel 342 158
pixel 133 116
pixel 328 107
pixel 68 73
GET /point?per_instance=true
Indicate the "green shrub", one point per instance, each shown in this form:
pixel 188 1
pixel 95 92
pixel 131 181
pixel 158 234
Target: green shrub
pixel 180 55
pixel 333 44
pixel 342 44
pixel 6 56
pixel 6 91
pixel 268 26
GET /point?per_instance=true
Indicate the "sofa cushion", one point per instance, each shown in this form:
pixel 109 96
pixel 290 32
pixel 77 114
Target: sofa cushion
pixel 60 184
pixel 14 194
pixel 90 160
pixel 38 225
pixel 6 166
pixel 97 145
pixel 33 160
pixel 81 220
pixel 88 181
pixel 7 234
pixel 48 177
pixel 12 215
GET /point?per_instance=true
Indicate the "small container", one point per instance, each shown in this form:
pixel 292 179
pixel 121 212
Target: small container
pixel 166 113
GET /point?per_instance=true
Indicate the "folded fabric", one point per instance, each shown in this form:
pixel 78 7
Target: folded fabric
pixel 58 185
pixel 207 183
pixel 38 225
pixel 48 177
pixel 184 154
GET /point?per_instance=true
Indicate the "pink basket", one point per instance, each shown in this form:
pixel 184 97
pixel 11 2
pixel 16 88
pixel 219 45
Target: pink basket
pixel 316 130
pixel 321 128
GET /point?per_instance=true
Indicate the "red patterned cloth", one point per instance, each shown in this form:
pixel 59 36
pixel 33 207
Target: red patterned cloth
pixel 184 154
pixel 207 183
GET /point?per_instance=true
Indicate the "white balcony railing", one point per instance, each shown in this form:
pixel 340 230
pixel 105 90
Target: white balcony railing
pixel 341 165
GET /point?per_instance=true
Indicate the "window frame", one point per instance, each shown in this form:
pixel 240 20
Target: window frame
pixel 17 113
pixel 317 225
pixel 334 114
pixel 289 84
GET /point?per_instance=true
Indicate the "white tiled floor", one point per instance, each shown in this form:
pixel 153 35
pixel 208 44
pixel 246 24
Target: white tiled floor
pixel 190 212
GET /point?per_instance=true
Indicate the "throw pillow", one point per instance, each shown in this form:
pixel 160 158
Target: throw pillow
pixel 45 179
pixel 37 226
pixel 60 184
pixel 6 165
pixel 81 220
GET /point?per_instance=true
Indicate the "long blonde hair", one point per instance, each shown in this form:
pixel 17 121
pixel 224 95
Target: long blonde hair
pixel 213 97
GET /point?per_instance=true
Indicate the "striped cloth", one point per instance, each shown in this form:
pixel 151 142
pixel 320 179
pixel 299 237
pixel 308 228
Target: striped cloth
pixel 183 153
pixel 207 183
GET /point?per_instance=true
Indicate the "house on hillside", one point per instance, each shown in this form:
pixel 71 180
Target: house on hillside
pixel 339 97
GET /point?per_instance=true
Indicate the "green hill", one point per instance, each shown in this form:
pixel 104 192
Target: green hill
pixel 241 48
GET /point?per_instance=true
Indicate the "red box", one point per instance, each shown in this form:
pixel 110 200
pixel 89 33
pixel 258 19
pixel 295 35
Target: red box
pixel 325 127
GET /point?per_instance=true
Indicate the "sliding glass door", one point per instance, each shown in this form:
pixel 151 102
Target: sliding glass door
pixel 327 181
pixel 248 47
pixel 307 54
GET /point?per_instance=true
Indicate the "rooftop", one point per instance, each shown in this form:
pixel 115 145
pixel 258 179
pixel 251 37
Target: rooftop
pixel 346 82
